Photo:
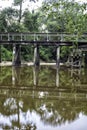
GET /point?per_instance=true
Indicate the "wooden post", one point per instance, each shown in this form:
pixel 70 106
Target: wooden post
pixel 36 55
pixel 16 55
pixel 58 56
pixel 0 54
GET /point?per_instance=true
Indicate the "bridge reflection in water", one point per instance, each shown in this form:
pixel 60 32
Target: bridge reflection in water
pixel 52 97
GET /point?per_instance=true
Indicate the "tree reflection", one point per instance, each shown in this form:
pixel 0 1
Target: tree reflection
pixel 52 112
pixel 30 126
pixel 53 105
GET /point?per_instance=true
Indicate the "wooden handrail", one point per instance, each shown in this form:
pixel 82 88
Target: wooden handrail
pixel 27 37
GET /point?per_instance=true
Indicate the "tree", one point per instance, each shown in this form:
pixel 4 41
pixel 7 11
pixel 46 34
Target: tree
pixel 31 21
pixel 3 23
pixel 8 16
pixel 64 16
pixel 19 3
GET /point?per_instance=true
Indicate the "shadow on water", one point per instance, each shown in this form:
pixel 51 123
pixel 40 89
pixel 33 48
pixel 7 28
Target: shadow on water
pixel 42 98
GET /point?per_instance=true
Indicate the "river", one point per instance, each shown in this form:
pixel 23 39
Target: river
pixel 43 98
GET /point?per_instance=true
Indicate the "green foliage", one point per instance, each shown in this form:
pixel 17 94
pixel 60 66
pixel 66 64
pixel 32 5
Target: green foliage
pixel 27 53
pixel 16 27
pixel 64 16
pixel 3 23
pixel 65 51
pixel 47 53
pixel 19 3
pixel 6 55
pixel 31 21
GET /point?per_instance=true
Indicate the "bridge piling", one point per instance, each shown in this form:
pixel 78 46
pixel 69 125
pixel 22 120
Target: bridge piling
pixel 58 56
pixel 36 55
pixel 16 55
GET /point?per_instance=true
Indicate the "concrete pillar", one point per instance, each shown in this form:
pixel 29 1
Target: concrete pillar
pixel 58 56
pixel 0 54
pixel 16 55
pixel 36 55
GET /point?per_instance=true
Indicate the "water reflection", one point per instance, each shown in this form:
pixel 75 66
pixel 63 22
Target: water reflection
pixel 16 72
pixel 43 98
pixel 57 77
pixel 36 73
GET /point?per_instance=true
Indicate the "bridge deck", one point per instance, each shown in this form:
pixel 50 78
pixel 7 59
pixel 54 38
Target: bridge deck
pixel 43 39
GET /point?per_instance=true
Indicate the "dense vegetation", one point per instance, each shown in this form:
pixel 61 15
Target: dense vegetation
pixel 53 16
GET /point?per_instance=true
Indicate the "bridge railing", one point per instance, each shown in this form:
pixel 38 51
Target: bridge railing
pixel 29 37
pixel 41 37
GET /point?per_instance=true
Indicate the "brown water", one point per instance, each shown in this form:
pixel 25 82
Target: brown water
pixel 43 99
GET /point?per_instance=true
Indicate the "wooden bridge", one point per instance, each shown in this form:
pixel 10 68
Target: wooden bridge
pixel 40 39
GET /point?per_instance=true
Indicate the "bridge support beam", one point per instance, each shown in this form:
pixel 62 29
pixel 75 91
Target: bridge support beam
pixel 58 56
pixel 16 55
pixel 36 55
